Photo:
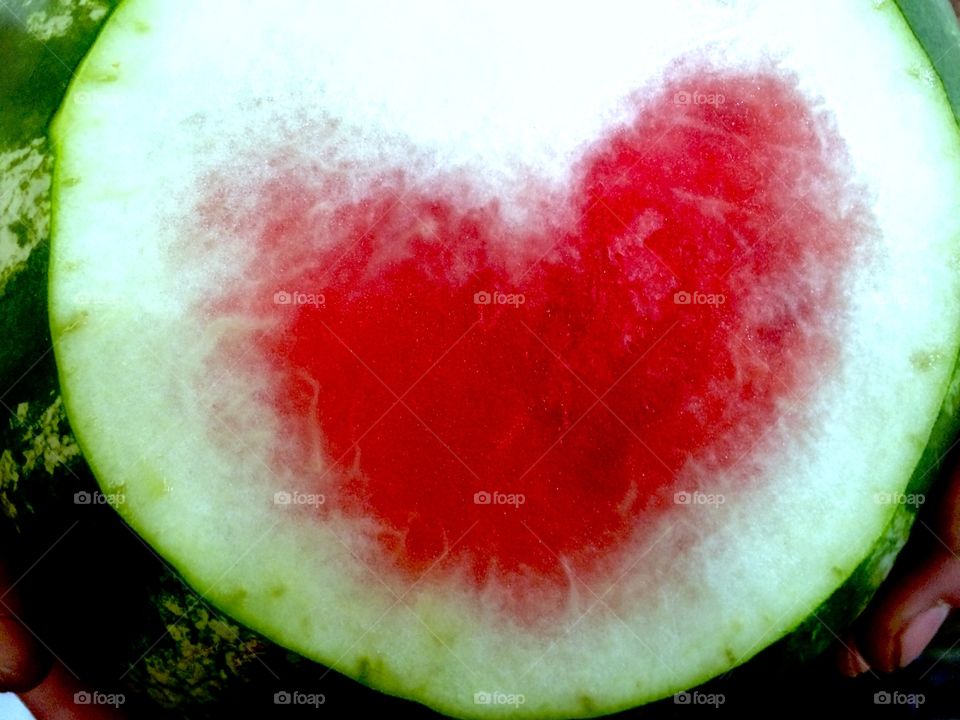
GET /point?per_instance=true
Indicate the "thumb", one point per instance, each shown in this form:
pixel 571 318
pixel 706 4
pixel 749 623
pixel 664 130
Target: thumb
pixel 919 594
pixel 22 661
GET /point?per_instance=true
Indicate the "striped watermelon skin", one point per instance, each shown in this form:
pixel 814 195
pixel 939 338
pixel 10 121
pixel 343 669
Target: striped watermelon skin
pixel 166 644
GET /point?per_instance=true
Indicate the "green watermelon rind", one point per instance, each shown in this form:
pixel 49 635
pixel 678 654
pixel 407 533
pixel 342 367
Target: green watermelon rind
pixel 935 27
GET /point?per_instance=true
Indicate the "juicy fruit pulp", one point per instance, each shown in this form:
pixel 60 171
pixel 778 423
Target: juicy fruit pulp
pixel 658 312
pixel 294 247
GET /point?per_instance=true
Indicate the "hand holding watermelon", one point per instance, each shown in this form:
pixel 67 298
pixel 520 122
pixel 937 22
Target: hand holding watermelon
pixel 496 376
pixel 917 598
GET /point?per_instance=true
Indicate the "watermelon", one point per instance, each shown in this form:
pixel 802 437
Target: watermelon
pixel 476 414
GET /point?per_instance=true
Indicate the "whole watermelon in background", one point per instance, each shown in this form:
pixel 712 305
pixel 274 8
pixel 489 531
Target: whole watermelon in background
pixel 137 626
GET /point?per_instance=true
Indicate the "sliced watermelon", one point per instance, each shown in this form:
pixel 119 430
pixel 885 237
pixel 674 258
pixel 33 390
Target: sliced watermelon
pixel 514 364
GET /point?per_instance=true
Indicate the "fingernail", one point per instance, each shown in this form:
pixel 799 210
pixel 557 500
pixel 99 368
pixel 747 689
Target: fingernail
pixel 918 634
pixel 852 662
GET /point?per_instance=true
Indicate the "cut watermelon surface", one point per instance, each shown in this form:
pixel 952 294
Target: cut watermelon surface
pixel 514 363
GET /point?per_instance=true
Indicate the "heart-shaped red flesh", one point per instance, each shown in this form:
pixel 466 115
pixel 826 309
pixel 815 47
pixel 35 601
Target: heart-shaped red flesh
pixel 533 435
